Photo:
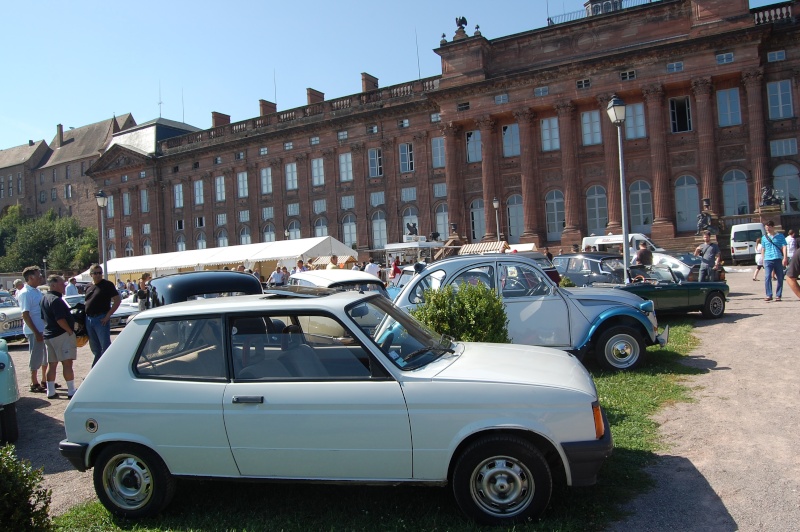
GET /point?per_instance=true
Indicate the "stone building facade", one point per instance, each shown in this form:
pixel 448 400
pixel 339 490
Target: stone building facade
pixel 711 91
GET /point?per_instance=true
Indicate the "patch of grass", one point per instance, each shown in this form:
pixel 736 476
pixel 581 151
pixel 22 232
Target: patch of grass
pixel 628 398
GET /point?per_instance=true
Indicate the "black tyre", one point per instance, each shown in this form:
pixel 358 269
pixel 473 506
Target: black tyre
pixel 620 348
pixel 9 431
pixel 714 307
pixel 132 481
pixel 501 480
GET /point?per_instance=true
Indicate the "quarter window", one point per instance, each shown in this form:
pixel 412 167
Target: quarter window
pixel 177 348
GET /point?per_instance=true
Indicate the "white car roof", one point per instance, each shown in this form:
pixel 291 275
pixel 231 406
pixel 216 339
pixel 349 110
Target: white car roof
pixel 326 278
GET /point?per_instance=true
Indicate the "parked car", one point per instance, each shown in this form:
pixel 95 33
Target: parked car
pixel 616 329
pixel 214 388
pixel 127 309
pixel 340 280
pixel 406 273
pixel 585 269
pixel 685 266
pixel 9 395
pixel 10 317
pixel 544 263
pixel 74 300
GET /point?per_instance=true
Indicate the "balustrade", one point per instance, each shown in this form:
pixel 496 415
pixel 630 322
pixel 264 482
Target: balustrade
pixel 772 14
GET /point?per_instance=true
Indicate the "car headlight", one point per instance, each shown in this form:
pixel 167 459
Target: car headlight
pixel 3 316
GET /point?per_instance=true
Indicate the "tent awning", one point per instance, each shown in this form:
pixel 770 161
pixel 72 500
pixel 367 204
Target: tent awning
pixel 483 247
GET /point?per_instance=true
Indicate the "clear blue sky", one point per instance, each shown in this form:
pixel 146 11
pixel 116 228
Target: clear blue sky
pixel 83 61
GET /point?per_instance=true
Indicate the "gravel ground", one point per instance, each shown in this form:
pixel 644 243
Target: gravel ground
pixel 731 461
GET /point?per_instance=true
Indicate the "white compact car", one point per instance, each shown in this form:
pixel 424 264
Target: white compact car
pixel 340 280
pixel 288 386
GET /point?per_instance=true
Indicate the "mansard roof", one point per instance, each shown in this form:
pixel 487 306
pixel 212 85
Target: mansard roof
pixel 86 141
pixel 20 155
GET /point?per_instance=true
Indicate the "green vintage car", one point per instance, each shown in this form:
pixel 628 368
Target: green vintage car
pixel 670 294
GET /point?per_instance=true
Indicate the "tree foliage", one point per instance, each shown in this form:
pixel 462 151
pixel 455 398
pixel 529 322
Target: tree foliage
pixel 24 504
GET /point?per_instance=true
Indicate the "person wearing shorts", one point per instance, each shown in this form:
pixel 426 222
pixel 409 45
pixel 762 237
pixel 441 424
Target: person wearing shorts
pixel 33 324
pixel 59 336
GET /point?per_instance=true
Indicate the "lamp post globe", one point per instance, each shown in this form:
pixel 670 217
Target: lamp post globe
pixel 102 203
pixel 496 205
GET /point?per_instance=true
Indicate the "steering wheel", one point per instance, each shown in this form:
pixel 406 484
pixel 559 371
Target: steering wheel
pixel 387 342
pixel 513 284
pixel 639 279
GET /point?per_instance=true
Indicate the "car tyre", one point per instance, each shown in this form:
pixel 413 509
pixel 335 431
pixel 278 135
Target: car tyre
pixel 714 307
pixel 620 348
pixel 132 481
pixel 502 480
pixel 9 430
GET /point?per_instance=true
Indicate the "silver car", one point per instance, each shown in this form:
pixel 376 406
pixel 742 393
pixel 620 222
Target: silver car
pixel 615 325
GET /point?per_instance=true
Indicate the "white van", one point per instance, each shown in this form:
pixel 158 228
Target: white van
pixel 743 241
pixel 607 242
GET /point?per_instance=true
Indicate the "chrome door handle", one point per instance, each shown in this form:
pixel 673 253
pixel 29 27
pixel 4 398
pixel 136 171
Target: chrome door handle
pixel 257 399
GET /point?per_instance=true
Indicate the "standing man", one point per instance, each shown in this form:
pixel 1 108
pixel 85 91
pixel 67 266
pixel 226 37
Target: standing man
pixel 547 253
pixel 299 267
pixel 333 264
pixel 709 256
pixel 59 336
pixel 644 255
pixel 102 300
pixel 775 260
pixel 373 268
pixel 19 284
pixel 72 289
pixel 29 298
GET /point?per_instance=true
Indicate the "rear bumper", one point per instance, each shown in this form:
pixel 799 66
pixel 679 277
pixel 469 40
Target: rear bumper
pixel 586 457
pixel 75 453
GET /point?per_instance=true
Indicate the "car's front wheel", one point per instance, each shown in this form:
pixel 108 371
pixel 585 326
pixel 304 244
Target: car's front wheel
pixel 501 480
pixel 9 431
pixel 714 307
pixel 132 481
pixel 620 348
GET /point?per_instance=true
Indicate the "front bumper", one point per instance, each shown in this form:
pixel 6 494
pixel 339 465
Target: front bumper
pixel 586 457
pixel 663 338
pixel 75 453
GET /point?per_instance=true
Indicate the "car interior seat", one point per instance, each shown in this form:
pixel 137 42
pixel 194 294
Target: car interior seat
pixel 298 357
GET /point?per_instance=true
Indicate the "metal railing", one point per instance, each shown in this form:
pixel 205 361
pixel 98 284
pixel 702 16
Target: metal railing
pixel 614 5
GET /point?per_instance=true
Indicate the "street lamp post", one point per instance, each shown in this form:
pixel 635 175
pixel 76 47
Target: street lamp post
pixel 496 205
pixel 44 261
pixel 102 202
pixel 616 112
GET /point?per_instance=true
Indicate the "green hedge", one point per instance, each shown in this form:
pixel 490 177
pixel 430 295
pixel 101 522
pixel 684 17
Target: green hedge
pixel 24 503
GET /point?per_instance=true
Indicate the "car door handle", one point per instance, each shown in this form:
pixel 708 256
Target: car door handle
pixel 257 399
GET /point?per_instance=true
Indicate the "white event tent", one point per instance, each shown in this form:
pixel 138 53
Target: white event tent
pixel 253 256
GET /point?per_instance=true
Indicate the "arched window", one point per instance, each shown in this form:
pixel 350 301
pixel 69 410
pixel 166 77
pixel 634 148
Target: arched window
pixel 379 230
pixel 180 243
pixel 244 236
pixel 147 247
pixel 477 223
pixel 442 221
pixel 294 230
pixel 516 218
pixel 112 251
pixel 349 233
pixel 734 193
pixel 269 233
pixel 321 227
pixel 409 216
pixel 641 205
pixel 596 210
pixel 787 184
pixel 687 203
pixel 128 249
pixel 554 210
pixel 222 238
pixel 200 241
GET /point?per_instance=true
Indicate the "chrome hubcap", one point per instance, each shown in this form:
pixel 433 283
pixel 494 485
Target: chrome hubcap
pixel 502 486
pixel 128 482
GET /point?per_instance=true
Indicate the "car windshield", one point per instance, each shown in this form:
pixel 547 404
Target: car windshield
pixel 7 300
pixel 361 286
pixel 407 343
pixel 401 280
pixel 609 265
pixel 652 273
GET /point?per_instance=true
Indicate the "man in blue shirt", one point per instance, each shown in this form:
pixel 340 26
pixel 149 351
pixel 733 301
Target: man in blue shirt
pixel 775 260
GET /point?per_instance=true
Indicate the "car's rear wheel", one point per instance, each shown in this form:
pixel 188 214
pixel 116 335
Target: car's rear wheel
pixel 501 480
pixel 9 431
pixel 132 481
pixel 714 306
pixel 620 348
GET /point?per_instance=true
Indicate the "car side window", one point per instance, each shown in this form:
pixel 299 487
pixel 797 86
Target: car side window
pixel 431 281
pixel 520 280
pixel 183 349
pixel 479 275
pixel 578 265
pixel 560 264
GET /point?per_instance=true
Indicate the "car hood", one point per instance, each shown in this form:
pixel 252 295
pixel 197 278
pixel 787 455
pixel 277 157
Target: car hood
pixel 518 364
pixel 603 295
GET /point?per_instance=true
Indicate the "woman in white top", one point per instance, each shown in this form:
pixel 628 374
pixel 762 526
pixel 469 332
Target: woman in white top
pixel 791 243
pixel 759 258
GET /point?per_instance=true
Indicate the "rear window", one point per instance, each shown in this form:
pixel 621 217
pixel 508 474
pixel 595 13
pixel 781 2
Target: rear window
pixel 750 235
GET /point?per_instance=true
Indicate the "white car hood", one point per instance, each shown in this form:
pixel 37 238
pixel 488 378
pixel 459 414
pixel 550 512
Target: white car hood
pixel 518 364
pixel 596 295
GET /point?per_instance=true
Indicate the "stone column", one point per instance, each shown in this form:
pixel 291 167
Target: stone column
pixel 279 201
pixel 361 196
pixel 455 197
pixel 569 174
pixel 611 166
pixel 707 153
pixel 759 160
pixel 391 169
pixel 329 188
pixel 306 215
pixel 421 181
pixel 532 230
pixel 663 227
pixel 487 128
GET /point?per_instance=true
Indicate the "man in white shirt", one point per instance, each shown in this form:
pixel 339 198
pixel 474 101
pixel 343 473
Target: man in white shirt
pixel 72 288
pixel 373 268
pixel 33 327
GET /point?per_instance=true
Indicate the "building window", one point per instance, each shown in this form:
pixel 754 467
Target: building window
pixel 111 233
pixel 406 157
pixel 345 167
pixel 200 221
pixel 590 126
pixel 725 58
pixel 291 176
pixel 728 110
pixel 372 129
pixel 124 179
pixel 19 183
pixel 263 150
pixel 341 135
pixel 244 236
pixel 349 230
pixel 628 75
pixel 442 221
pixel 128 249
pixel 219 188
pixel 222 238
pixel 501 99
pixel 317 172
pixel 376 198
pixel 127 231
pixel 641 207
pixel 403 123
pixel 67 190
pixel 199 198
pixel 634 121
pixel 596 210
pixel 126 204
pixel 511 140
pixel 313 141
pixel 112 251
pixel 293 209
pixel 541 91
pixel 68 172
pixel 473 146
pixel 410 216
pixel 554 214
pixel 680 114
pixel 110 207
pixel 266 180
pixel 462 106
pixel 241 184
pixel 550 137
pixel 3 187
pixel 144 200
pixel 783 147
pixel 42 196
pixel 147 247
pixel 180 243
pixel 672 68
pixel 196 165
pixel 55 174
pixel 379 230
pixel 294 230
pixel 239 155
pixel 787 183
pixel 320 227
pixel 267 213
pixel 440 191
pixel 288 146
pixel 778 55
pixel 200 241
pixel 145 229
pixel 222 219
pixel 244 216
pixel 477 224
pixel 179 225
pixel 348 202
pixel 319 206
pixel 583 83
pixel 217 160
pixel 408 194
pixel 436 117
pixel 779 95
pixel 269 233
pixel 437 152
pixel 375 162
pixel 142 174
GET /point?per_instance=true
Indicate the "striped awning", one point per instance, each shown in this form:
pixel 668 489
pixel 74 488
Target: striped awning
pixel 326 259
pixel 483 247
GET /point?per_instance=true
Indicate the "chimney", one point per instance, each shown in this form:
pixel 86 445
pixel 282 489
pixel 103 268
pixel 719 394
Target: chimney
pixel 314 96
pixel 60 139
pixel 30 143
pixel 219 119
pixel 266 108
pixel 368 83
